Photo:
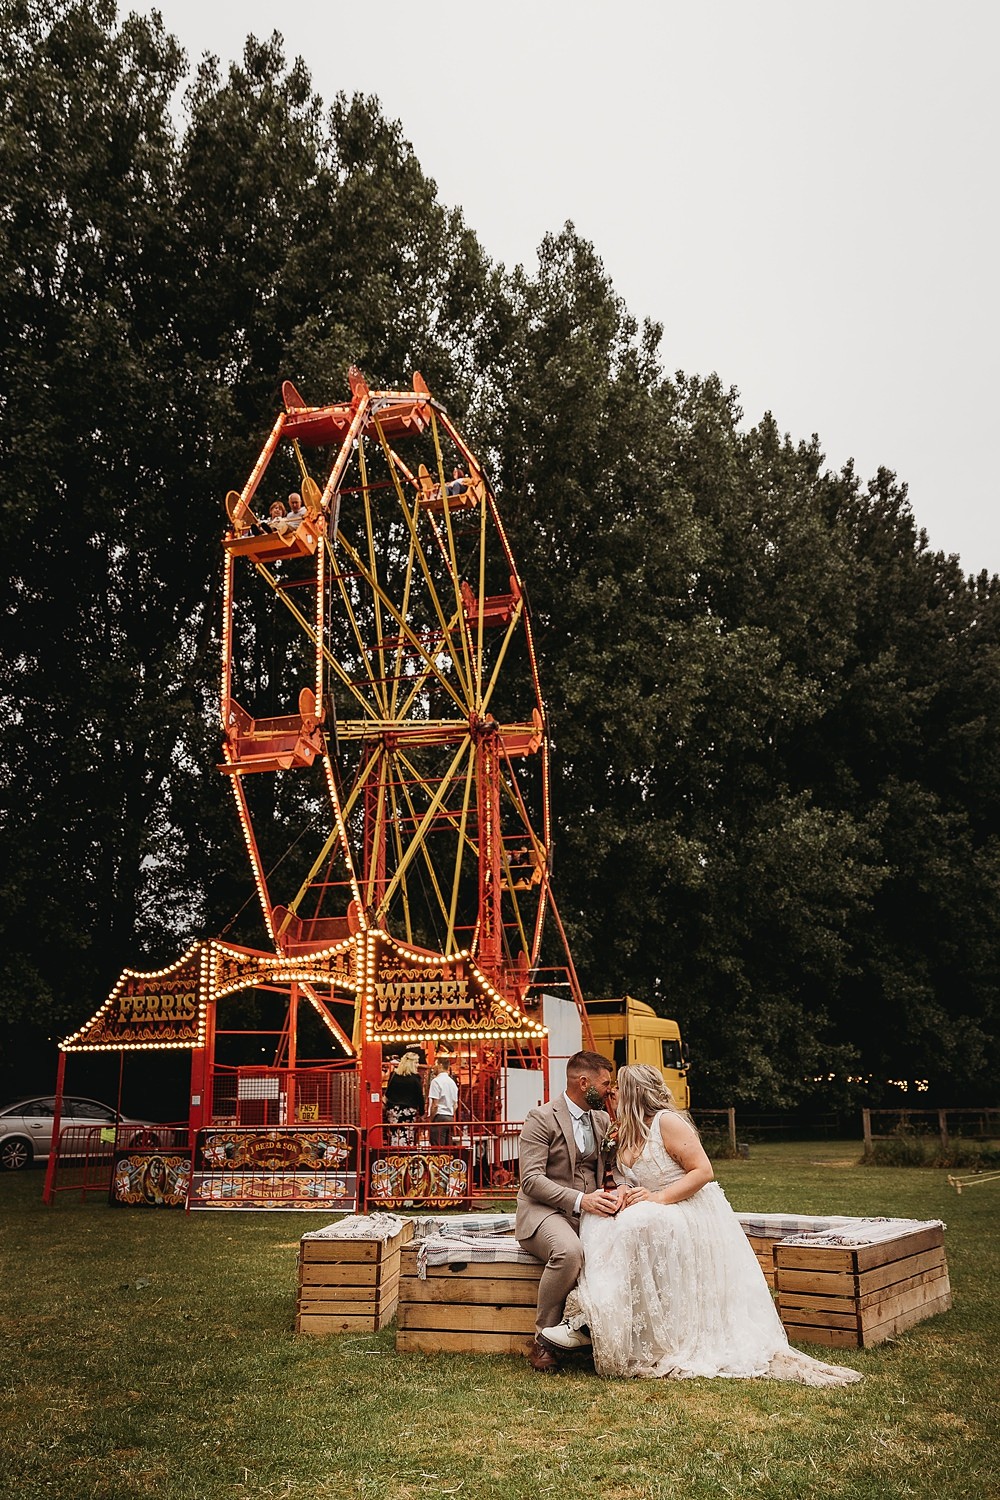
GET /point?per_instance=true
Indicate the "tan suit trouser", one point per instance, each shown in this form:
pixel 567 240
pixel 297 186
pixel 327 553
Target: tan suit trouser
pixel 557 1244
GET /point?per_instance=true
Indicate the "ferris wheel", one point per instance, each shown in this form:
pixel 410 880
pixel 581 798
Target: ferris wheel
pixel 376 640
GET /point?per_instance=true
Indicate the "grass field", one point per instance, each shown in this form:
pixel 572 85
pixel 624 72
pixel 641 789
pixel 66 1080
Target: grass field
pixel 149 1353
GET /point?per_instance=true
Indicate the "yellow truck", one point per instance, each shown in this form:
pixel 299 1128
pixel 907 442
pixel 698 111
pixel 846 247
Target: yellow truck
pixel 629 1031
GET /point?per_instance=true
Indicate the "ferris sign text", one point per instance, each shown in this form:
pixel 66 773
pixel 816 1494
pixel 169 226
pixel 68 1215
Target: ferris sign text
pixel 157 1007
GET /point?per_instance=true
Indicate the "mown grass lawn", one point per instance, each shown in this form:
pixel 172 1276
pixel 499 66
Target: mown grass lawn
pixel 149 1353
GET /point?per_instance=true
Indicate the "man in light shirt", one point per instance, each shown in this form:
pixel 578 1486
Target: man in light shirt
pixel 562 1175
pixel 442 1102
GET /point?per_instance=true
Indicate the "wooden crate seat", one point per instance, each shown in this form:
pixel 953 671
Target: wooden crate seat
pixel 349 1284
pixel 844 1290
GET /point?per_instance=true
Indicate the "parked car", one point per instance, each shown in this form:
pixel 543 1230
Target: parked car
pixel 26 1127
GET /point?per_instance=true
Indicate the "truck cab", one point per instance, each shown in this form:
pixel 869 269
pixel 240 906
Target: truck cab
pixel 629 1031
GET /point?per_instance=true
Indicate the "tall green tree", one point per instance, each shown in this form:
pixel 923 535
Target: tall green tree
pixel 156 291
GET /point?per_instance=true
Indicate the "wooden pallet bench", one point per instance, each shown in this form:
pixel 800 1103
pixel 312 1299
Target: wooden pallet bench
pixel 841 1295
pixel 348 1285
pixel 855 1296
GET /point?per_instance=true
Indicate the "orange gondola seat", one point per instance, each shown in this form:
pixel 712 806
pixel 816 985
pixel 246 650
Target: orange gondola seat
pixel 278 744
pixel 497 608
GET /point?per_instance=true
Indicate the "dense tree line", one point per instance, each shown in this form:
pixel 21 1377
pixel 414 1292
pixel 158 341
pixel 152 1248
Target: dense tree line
pixel 775 709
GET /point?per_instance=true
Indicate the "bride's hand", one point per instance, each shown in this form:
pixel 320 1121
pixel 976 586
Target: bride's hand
pixel 630 1195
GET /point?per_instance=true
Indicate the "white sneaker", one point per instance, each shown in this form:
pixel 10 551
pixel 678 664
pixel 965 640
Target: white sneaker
pixel 562 1336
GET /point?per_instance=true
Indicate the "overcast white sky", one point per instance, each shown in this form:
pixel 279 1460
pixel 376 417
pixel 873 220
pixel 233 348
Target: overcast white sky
pixel 804 193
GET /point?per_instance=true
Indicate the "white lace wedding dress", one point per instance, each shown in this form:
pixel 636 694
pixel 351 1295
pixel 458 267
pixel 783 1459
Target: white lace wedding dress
pixel 675 1289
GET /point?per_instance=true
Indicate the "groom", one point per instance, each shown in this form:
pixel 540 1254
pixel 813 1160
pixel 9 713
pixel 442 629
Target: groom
pixel 562 1172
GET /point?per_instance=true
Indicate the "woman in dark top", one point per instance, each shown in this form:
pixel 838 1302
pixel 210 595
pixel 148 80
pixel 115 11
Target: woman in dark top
pixel 404 1099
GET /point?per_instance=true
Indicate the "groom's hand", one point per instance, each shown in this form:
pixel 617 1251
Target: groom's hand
pixel 601 1202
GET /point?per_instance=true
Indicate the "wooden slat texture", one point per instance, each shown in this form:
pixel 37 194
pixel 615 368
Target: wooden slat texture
pixel 514 1270
pixel 833 1338
pixel 888 1330
pixel 352 1250
pixel 433 1341
pixel 372 1296
pixel 343 1252
pixel 816 1317
pixel 890 1286
pixel 339 1323
pixel 761 1243
pixel 831 1295
pixel 832 1283
pixel 870 1256
pixel 899 1270
pixel 814 1258
pixel 905 1302
pixel 384 1310
pixel 467 1318
pixel 342 1275
pixel 921 1278
pixel 476 1289
pixel 348 1286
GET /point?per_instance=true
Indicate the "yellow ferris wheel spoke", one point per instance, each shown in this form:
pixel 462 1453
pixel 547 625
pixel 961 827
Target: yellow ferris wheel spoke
pixel 470 843
pixel 515 620
pixel 398 841
pixel 328 846
pixel 420 833
pixel 379 828
pixel 416 548
pixel 449 944
pixel 435 884
pixel 419 684
pixel 378 690
pixel 512 892
pixel 310 630
pixel 404 628
pixel 452 557
pixel 482 606
pixel 372 563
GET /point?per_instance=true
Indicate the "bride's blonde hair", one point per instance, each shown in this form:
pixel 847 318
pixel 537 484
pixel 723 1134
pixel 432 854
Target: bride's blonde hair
pixel 642 1093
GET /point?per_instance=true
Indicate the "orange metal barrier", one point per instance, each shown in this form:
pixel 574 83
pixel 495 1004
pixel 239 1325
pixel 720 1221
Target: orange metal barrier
pixel 440 1166
pixel 85 1154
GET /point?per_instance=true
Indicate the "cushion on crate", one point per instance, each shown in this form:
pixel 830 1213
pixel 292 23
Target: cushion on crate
pixel 860 1231
pixel 461 1226
pixel 436 1250
pixel 359 1227
pixel 865 1232
pixel 777 1226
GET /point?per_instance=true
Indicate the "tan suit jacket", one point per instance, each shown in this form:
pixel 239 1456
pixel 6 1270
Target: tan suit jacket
pixel 549 1179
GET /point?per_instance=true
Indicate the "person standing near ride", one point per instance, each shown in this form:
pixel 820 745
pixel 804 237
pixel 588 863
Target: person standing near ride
pixel 442 1101
pixel 561 1156
pixel 404 1100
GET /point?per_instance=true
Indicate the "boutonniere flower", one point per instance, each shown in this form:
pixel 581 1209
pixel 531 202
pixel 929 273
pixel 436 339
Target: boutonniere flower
pixel 610 1145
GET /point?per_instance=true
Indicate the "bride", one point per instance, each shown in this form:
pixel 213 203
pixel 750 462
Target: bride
pixel 671 1286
